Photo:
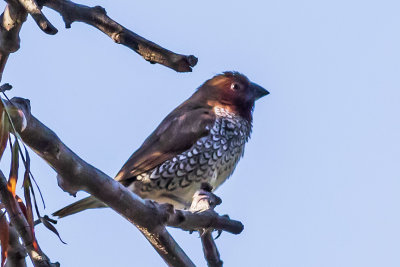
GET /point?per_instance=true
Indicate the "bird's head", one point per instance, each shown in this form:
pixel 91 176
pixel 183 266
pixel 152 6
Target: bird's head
pixel 232 90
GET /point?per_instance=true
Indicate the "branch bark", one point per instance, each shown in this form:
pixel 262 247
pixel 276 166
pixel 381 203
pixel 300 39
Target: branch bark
pixel 18 220
pixel 210 250
pixel 35 11
pixel 16 253
pixel 97 17
pixel 204 200
pixel 15 14
pixel 75 174
pixel 11 22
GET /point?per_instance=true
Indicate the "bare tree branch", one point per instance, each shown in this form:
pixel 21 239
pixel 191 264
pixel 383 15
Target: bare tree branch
pixel 74 174
pixel 16 253
pixel 20 223
pixel 189 221
pixel 97 17
pixel 33 9
pixel 210 250
pixel 10 25
pixel 204 200
pixel 16 11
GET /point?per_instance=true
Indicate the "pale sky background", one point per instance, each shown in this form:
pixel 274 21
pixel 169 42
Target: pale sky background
pixel 320 181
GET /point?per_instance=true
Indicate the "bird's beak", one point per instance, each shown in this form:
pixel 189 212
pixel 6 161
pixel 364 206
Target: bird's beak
pixel 258 91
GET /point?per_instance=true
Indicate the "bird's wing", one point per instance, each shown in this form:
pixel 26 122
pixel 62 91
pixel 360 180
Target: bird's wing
pixel 176 134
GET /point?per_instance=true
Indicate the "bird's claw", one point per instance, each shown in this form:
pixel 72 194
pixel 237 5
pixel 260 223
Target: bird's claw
pixel 219 232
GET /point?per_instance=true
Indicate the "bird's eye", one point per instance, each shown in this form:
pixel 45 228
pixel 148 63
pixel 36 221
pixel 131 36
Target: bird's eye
pixel 235 86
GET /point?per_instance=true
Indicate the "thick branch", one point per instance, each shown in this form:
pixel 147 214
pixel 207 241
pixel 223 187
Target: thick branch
pixel 17 219
pixel 10 25
pixel 149 216
pixel 97 17
pixel 75 174
pixel 16 253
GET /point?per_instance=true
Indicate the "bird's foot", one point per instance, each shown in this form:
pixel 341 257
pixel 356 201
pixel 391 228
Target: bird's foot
pixel 204 199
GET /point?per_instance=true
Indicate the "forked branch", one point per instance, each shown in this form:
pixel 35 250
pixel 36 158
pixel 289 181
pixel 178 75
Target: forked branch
pixel 205 200
pixel 97 17
pixel 75 174
pixel 16 11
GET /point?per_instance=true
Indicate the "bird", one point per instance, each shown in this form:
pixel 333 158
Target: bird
pixel 200 141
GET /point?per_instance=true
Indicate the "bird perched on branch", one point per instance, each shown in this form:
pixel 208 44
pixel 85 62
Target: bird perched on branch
pixel 200 141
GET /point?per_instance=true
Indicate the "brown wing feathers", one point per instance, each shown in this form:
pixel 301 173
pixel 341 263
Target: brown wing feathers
pixel 176 134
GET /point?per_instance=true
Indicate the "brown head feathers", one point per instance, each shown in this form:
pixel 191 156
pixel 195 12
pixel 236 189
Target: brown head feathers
pixel 231 90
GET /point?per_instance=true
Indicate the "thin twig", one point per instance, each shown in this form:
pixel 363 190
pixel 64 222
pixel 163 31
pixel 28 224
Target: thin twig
pixel 204 200
pixel 97 17
pixel 208 219
pixel 34 10
pixel 210 250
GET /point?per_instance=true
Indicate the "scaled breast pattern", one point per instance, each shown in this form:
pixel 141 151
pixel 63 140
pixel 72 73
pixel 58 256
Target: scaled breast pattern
pixel 211 159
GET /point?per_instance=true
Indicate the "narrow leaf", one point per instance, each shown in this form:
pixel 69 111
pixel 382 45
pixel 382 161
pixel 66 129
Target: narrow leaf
pixel 27 184
pixel 21 205
pixel 35 203
pixel 38 188
pixel 18 137
pixel 12 180
pixel 4 236
pixel 4 133
pixel 27 166
pixel 51 227
pixel 25 212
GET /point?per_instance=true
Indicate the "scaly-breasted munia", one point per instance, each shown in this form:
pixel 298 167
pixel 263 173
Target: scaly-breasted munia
pixel 200 141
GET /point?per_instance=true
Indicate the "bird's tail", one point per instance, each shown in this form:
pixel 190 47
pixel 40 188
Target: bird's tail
pixel 83 204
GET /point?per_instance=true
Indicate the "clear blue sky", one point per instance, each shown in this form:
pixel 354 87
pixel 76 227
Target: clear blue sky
pixel 319 184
